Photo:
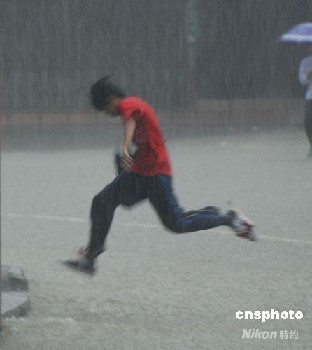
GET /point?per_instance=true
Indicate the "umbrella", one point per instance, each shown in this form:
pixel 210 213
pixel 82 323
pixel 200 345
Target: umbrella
pixel 301 33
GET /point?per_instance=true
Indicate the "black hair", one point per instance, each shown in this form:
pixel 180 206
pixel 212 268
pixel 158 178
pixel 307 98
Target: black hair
pixel 100 92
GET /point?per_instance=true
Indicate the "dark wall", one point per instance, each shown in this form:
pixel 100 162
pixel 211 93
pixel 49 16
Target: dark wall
pixel 238 52
pixel 51 51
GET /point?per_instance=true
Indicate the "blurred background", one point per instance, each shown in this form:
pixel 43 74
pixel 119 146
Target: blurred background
pixel 204 64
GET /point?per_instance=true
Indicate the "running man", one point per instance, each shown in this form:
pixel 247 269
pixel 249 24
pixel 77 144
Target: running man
pixel 145 175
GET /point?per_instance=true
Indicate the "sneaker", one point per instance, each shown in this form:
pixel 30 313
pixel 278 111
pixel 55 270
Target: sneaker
pixel 84 262
pixel 242 226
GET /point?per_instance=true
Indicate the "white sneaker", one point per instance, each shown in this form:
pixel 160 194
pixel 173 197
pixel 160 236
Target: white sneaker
pixel 242 225
pixel 83 262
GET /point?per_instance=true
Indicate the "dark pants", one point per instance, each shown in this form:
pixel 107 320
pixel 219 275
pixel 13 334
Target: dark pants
pixel 128 189
pixel 308 120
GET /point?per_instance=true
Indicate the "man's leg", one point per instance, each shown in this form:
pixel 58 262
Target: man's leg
pixel 163 199
pixel 127 189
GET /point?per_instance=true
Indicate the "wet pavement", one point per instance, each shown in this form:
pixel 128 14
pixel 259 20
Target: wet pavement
pixel 154 289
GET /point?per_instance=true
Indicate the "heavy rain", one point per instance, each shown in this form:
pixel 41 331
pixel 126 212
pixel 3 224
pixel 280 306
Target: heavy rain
pixel 232 109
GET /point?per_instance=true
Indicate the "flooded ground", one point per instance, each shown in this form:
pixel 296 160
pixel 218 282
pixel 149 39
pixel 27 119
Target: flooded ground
pixel 154 289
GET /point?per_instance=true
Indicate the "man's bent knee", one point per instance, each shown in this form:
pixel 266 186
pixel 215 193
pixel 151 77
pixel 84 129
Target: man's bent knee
pixel 176 227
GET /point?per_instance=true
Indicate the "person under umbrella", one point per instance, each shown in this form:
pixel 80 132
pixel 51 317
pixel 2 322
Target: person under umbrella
pixel 302 34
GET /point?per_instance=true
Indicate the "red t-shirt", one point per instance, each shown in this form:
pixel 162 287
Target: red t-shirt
pixel 151 157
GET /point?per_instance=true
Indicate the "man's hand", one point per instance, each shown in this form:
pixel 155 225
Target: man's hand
pixel 126 160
